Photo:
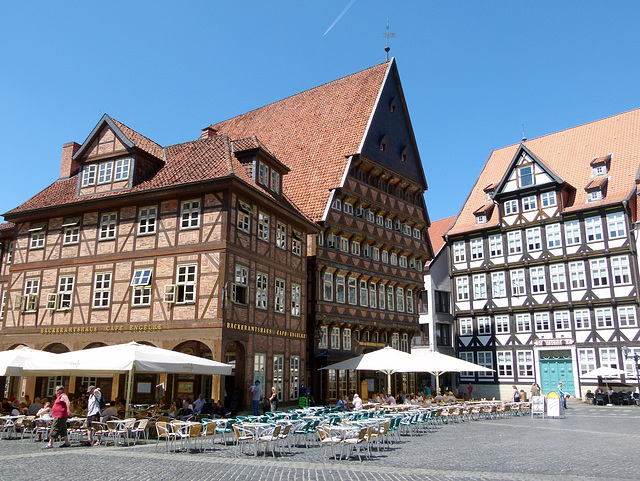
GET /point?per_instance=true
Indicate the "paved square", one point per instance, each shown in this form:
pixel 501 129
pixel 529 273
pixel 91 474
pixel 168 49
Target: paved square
pixel 593 442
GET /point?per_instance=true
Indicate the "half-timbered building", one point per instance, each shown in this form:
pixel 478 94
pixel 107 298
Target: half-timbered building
pixel 191 247
pixel 280 240
pixel 544 259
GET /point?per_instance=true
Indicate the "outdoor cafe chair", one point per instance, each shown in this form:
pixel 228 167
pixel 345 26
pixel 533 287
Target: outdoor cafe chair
pixel 209 433
pixel 164 432
pixel 43 426
pixel 7 428
pixel 356 442
pixel 225 427
pixel 270 438
pixel 140 430
pixel 244 437
pixel 28 427
pixel 285 438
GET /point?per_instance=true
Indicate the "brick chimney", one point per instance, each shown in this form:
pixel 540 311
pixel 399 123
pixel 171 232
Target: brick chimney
pixel 68 166
pixel 209 131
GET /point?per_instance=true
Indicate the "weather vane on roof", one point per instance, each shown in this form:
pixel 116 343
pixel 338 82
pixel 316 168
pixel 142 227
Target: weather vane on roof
pixel 388 36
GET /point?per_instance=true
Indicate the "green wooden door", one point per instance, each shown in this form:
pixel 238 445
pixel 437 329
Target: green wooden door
pixel 556 366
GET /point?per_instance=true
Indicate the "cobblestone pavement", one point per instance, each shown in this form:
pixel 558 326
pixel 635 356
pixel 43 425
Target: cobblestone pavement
pixel 593 442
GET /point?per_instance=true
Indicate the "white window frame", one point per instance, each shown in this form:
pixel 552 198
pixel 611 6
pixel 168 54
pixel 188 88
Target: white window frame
pixel 281 235
pixel 558 278
pixel 335 338
pixel 538 281
pixel 29 302
pixel 479 286
pixel 102 290
pixel 190 214
pixel 477 249
pixel 572 233
pixel 122 169
pixel 484 325
pixel 147 220
pixel 529 203
pixel 399 299
pixel 495 245
pixel 548 199
pixel 263 226
pixel 525 363
pixel 609 357
pixel 620 270
pixel 108 226
pixel 514 241
pixel 71 232
pixel 346 339
pixel 262 290
pixel 141 284
pixel 586 360
pixel 485 358
pixel 462 288
pixel 562 320
pixel 323 337
pixel 327 286
pixel 244 214
pixel 616 225
pixel 511 207
pixel 341 289
pixel 296 243
pixel 364 293
pixel 523 323
pixel 627 316
pixel 577 274
pixel 186 284
pixel 296 299
pixel 518 283
pixel 502 324
pixel 542 321
pixel 294 377
pixel 466 326
pixel 373 295
pixel 526 175
pixel 505 363
pixel 582 319
pixel 604 317
pixel 352 291
pixel 534 239
pixel 593 228
pixel 599 272
pixel 66 284
pixel 459 252
pixel 554 235
pixel 105 172
pixel 279 295
pixel 89 175
pixel 240 286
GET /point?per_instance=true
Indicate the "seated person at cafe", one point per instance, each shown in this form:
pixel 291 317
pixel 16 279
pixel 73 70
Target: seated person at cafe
pixel 221 411
pixel 6 405
pixel 391 400
pixel 34 407
pixel 439 398
pixel 111 411
pixel 45 411
pixel 186 412
pixel 449 397
pixel 208 409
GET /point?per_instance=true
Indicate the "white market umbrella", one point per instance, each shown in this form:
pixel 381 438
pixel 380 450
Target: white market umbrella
pixel 12 362
pixel 124 358
pixel 437 364
pixel 386 360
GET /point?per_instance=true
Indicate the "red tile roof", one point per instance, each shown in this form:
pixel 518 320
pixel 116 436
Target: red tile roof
pixel 313 132
pixel 568 154
pixel 437 230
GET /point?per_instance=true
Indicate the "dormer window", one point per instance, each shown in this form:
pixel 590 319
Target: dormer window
pixel 525 175
pixel 123 166
pixel 600 166
pixel 275 181
pixel 263 174
pixel 481 219
pixel 489 192
pixel 89 175
pixel 105 171
pixel 383 144
pixel 596 189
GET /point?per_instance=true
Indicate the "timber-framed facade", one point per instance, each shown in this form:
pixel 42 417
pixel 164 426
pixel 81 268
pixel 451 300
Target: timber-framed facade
pixel 544 260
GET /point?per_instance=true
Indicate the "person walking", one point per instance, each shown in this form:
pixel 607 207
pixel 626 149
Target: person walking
pixel 564 395
pixel 60 412
pixel 256 396
pixel 273 400
pixel 535 389
pixel 93 411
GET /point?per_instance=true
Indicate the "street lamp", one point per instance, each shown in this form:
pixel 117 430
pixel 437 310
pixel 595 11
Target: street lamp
pixel 628 354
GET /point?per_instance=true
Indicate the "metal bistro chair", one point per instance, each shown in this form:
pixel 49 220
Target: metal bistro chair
pixel 163 432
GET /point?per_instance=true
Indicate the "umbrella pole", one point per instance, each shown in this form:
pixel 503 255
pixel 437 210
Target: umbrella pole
pixel 128 394
pixel 388 383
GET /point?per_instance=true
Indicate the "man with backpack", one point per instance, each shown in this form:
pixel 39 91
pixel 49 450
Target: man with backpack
pixel 95 405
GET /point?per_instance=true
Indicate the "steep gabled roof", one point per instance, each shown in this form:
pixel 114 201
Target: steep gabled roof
pixel 568 154
pixel 313 133
pixel 437 230
pixel 196 161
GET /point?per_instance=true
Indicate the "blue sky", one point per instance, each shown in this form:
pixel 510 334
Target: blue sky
pixel 472 72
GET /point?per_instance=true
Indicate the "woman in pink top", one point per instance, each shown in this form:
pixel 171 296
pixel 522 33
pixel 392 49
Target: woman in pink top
pixel 60 413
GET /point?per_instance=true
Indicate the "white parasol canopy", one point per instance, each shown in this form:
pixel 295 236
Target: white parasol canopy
pixel 605 372
pixel 386 360
pixel 436 363
pixel 12 362
pixel 124 358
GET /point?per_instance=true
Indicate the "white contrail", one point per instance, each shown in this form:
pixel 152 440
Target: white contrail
pixel 339 16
